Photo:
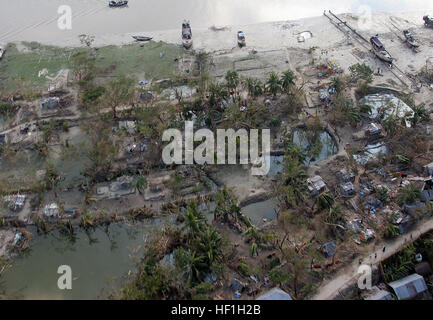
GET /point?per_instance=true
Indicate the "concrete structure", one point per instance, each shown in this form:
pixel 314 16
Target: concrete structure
pixel 316 185
pixel 409 287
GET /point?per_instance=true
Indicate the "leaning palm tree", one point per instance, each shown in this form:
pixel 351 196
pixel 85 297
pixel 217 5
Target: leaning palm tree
pixel 273 84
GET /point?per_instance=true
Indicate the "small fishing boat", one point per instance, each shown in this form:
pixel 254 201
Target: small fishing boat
pixel 410 39
pixel 241 39
pixel 116 4
pixel 380 51
pixel 428 22
pixel 141 38
pixel 186 35
pixel 2 51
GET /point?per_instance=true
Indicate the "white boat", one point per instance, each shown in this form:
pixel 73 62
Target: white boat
pixel 2 51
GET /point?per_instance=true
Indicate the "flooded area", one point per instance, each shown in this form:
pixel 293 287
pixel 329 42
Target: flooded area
pixel 97 259
pixel 261 212
pixel 37 19
pixel 317 147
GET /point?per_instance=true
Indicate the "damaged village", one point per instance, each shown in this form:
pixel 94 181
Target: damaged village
pixel 350 183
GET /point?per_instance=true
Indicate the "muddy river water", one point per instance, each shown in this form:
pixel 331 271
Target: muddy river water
pixel 37 19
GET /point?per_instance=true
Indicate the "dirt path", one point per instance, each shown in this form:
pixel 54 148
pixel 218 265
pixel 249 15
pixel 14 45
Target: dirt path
pixel 349 275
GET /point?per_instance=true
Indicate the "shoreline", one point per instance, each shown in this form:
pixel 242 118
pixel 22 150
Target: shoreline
pixel 263 35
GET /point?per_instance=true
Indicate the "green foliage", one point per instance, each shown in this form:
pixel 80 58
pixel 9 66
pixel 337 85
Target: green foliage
pixel 227 206
pixel 232 79
pixel 92 94
pixel 254 87
pixel 408 194
pixel 361 71
pixel 287 80
pixel 278 276
pixel 293 188
pixel 273 84
pixel 382 194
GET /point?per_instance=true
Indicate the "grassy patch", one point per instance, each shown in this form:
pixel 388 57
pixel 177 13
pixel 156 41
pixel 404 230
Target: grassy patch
pixel 19 68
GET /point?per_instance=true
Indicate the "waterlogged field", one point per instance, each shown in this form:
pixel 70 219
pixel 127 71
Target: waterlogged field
pixel 21 66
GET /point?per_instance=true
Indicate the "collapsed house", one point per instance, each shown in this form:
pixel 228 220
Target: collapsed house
pixel 128 126
pixel 329 249
pixel 347 189
pixel 409 287
pixel 385 105
pixel 373 130
pixel 51 210
pixel 316 185
pixel 50 103
pixel 15 202
pixel 346 176
pixel 121 187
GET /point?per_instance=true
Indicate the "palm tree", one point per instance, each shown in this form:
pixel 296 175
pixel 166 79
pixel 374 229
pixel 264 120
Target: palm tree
pixel 273 84
pixel 288 80
pixel 420 113
pixel 232 79
pixel 194 221
pixel 191 264
pixel 293 186
pixel 338 84
pixel 254 87
pixel 217 94
pixel 226 205
pixel 408 194
pixel 209 244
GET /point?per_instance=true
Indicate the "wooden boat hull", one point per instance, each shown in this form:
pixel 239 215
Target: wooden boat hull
pixel 187 43
pixel 384 56
pixel 138 38
pixel 117 4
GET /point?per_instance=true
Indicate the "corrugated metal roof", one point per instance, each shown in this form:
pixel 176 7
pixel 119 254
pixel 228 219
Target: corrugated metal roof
pixel 275 294
pixel 409 286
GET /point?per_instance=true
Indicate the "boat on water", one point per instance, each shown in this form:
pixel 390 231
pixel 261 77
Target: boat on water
pixel 428 22
pixel 141 38
pixel 410 39
pixel 241 39
pixel 116 4
pixel 380 51
pixel 186 35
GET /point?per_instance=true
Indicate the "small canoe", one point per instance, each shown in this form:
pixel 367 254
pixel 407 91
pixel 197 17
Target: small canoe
pixel 115 4
pixel 140 38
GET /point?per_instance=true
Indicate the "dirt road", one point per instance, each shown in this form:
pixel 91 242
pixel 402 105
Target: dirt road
pixel 349 275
